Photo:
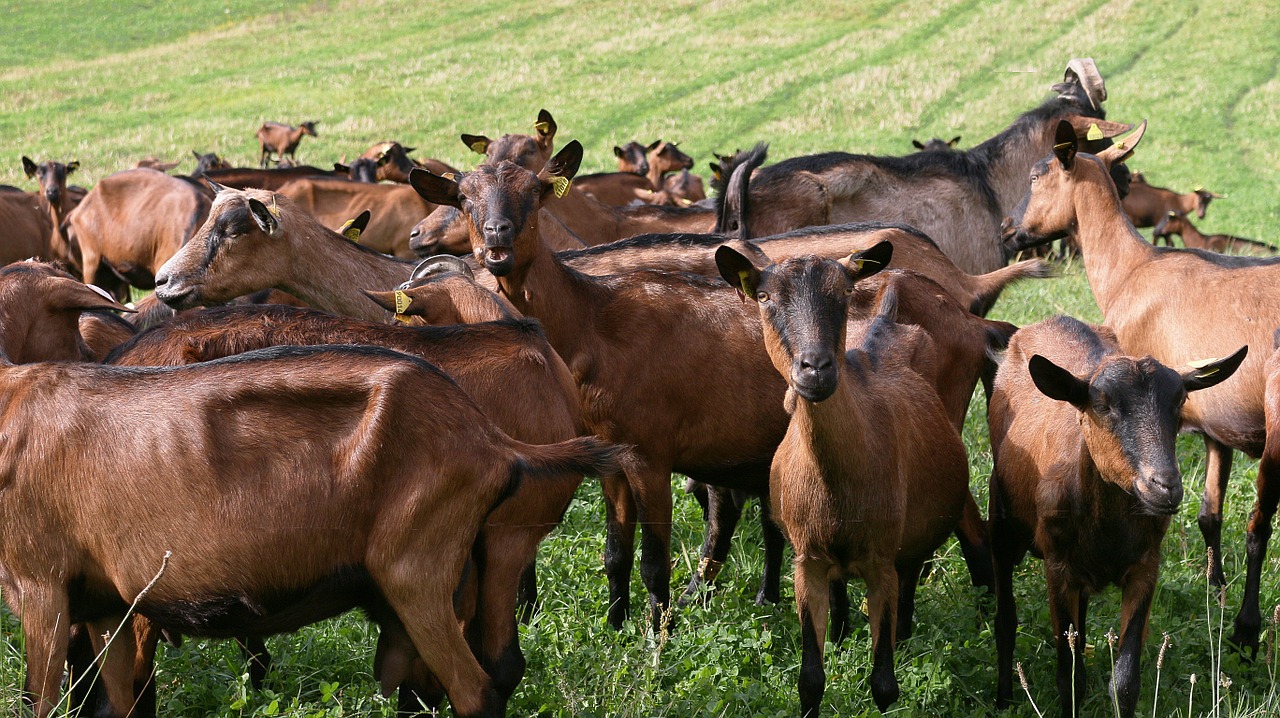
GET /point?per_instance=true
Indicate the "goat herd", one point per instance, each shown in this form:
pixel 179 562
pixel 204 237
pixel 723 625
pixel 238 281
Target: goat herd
pixel 402 437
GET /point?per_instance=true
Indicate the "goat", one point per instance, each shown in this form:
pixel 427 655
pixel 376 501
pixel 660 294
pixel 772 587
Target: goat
pixel 155 163
pixel 396 209
pixel 456 470
pixel 529 151
pixel 1232 301
pixel 394 163
pixel 486 360
pixel 48 326
pixel 135 221
pixel 958 198
pixel 1178 223
pixel 936 144
pixel 443 291
pixel 361 169
pixel 255 239
pixel 268 179
pixel 208 162
pixel 54 199
pixel 26 229
pixel 281 139
pixel 632 158
pixel 1146 204
pixel 871 476
pixel 1085 477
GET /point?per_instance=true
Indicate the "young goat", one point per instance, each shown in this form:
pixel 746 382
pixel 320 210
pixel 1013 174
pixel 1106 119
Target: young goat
pixel 281 139
pixel 1233 301
pixel 870 477
pixel 1086 477
pixel 1178 223
pixel 1146 204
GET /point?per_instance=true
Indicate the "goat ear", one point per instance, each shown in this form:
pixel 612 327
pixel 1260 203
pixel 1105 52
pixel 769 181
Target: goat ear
pixel 953 141
pixel 653 145
pixel 545 126
pixel 1091 129
pixel 738 270
pixel 1065 144
pixel 217 188
pixel 67 294
pixel 353 228
pixel 386 300
pixel 1205 374
pixel 917 144
pixel 339 167
pixel 556 176
pixel 861 265
pixel 1123 149
pixel 434 188
pixel 407 150
pixel 72 166
pixel 263 217
pixel 28 166
pixel 478 144
pixel 1057 383
pixel 617 152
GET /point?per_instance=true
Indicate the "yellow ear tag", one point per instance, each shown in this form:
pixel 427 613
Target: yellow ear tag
pixel 541 127
pixel 1201 364
pixel 351 233
pixel 1094 133
pixel 402 302
pixel 273 208
pixel 743 275
pixel 1062 146
pixel 857 264
pixel 479 147
pixel 561 186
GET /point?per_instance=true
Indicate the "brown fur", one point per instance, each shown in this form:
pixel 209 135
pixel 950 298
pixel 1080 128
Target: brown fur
pixel 56 200
pixel 281 139
pixel 136 220
pixel 394 163
pixel 1070 485
pixel 1233 301
pixel 1146 204
pixel 443 232
pixel 396 209
pixel 47 327
pixel 25 228
pixel 268 179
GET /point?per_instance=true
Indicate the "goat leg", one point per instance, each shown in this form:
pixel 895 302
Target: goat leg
pixel 254 650
pixel 1064 609
pixel 1126 681
pixel 1217 470
pixel 43 614
pixel 840 618
pixel 653 510
pixel 619 547
pixel 1248 623
pixel 722 514
pixel 971 532
pixel 882 609
pixel 774 544
pixel 812 591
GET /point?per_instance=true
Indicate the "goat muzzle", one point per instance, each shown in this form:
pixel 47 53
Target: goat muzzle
pixel 499 260
pixel 814 375
pixel 1160 493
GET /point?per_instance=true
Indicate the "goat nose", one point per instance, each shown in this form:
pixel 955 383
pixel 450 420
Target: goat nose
pixel 815 361
pixel 500 226
pixel 162 278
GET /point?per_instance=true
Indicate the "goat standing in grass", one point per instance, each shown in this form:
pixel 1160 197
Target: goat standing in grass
pixel 1086 477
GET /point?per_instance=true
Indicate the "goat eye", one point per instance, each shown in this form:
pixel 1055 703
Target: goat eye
pixel 762 296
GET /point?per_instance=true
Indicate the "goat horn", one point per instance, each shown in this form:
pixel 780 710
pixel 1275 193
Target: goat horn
pixel 1086 72
pixel 440 264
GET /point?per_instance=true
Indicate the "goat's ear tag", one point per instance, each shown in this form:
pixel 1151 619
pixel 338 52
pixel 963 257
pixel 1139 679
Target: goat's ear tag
pixel 1200 364
pixel 1062 146
pixel 479 147
pixel 743 276
pixel 402 302
pixel 561 186
pixel 273 208
pixel 541 127
pixel 351 233
pixel 1094 133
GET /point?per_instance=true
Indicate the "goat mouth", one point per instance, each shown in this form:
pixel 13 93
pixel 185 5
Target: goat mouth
pixel 814 391
pixel 498 260
pixel 180 299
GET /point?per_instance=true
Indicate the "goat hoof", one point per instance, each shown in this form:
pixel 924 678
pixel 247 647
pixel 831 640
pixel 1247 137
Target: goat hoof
pixel 1245 643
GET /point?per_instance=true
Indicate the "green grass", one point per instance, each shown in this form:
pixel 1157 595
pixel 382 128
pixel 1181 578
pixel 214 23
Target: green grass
pixel 107 85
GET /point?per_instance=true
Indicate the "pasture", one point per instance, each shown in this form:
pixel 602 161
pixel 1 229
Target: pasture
pixel 108 85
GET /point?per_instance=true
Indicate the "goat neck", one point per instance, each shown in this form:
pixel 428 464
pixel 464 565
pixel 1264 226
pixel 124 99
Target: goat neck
pixel 1110 247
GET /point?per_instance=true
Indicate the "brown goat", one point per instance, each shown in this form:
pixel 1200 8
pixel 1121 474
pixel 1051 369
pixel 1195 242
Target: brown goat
pixel 1146 204
pixel 958 198
pixel 135 221
pixel 255 239
pixel 444 232
pixel 1232 301
pixel 281 139
pixel 455 471
pixel 871 477
pixel 25 228
pixel 1085 477
pixel 1179 224
pixel 54 197
pixel 632 158
pixel 396 209
pixel 394 163
pixel 48 327
pixel 528 151
pixel 486 360
pixel 269 179
pixel 155 163
pixel 443 291
pixel 208 162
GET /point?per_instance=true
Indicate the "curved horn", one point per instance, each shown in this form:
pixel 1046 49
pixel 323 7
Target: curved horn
pixel 1086 72
pixel 440 264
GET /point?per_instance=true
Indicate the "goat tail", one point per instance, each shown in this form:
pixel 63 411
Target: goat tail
pixel 586 455
pixel 991 284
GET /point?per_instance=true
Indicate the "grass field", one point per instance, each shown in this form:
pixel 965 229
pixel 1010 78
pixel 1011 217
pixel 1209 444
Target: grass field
pixel 107 85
